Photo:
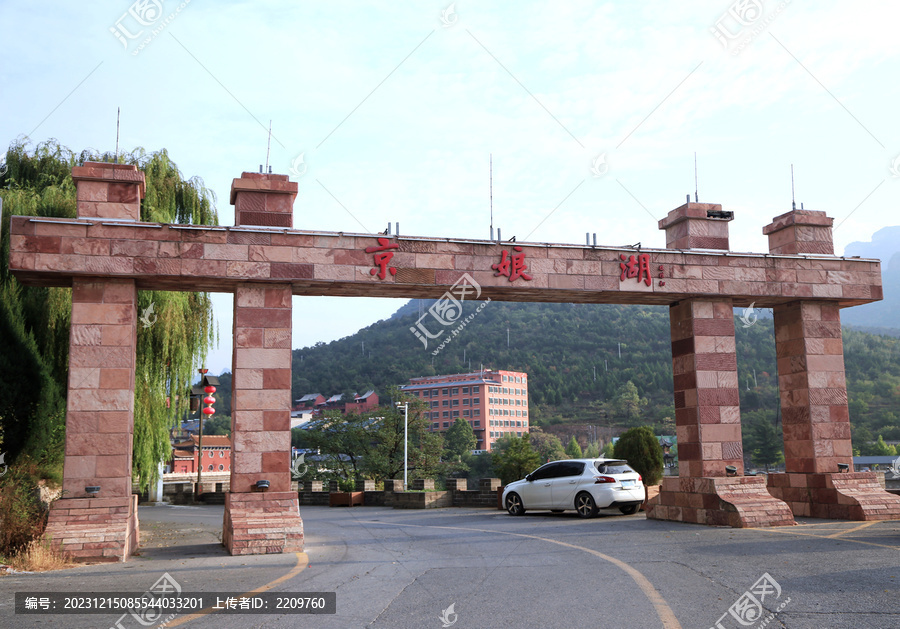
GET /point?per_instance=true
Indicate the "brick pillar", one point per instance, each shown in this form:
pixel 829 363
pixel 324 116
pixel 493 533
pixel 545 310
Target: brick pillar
pixel 800 232
pixel 813 388
pixel 99 425
pixel 258 522
pixel 707 404
pixel 263 200
pixel 697 226
pixel 110 191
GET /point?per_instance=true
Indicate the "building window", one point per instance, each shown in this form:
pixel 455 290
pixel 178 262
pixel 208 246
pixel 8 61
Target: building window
pixel 455 413
pixel 477 423
pixel 519 432
pixel 210 467
pixel 476 412
pixel 476 400
pixel 444 391
pixel 435 404
pixel 446 414
pixel 221 467
pixel 445 403
pixel 524 413
pixel 465 389
pixel 221 454
pixel 455 391
pixel 475 389
pixel 466 413
pixel 455 403
pixel 446 424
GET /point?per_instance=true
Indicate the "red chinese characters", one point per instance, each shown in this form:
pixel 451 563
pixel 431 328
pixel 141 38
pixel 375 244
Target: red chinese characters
pixel 383 258
pixel 636 267
pixel 512 266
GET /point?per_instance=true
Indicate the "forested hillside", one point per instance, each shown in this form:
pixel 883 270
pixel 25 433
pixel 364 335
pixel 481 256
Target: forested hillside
pixel 572 355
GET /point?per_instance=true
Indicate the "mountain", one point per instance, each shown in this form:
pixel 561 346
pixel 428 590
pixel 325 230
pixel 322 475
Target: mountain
pixel 885 246
pixel 576 371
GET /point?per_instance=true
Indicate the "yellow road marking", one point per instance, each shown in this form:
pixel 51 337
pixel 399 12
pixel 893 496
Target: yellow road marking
pixel 798 533
pixel 665 613
pixel 855 528
pixel 302 562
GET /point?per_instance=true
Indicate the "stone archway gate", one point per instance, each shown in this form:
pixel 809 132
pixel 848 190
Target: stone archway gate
pixel 106 255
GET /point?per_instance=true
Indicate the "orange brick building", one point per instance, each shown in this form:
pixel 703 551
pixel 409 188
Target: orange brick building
pixel 495 403
pixel 216 455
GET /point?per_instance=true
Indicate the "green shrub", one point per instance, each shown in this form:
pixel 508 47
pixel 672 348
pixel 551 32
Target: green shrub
pixel 640 447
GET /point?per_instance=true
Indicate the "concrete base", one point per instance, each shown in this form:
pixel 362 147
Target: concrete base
pixel 846 496
pixel 262 523
pixel 738 501
pixel 94 529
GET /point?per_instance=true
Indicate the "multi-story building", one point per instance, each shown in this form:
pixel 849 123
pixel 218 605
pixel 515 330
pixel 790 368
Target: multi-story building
pixel 495 403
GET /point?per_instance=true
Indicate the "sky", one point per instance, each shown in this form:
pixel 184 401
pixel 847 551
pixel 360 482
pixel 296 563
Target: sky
pixel 591 113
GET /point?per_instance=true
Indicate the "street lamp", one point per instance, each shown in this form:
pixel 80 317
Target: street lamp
pixel 405 407
pixel 208 383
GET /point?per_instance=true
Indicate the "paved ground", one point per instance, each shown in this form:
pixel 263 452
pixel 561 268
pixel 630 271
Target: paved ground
pixel 400 568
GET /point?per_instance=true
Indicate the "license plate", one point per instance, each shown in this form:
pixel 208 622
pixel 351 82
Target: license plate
pixel 627 483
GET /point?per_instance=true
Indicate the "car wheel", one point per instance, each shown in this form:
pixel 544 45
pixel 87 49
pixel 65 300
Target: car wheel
pixel 629 509
pixel 585 505
pixel 514 505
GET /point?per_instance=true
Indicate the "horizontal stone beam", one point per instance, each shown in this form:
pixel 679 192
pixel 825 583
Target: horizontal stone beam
pixel 51 252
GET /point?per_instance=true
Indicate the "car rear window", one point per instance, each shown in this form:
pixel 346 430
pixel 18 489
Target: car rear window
pixel 613 467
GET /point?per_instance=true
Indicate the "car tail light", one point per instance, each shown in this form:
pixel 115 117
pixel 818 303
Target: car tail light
pixel 640 478
pixel 599 480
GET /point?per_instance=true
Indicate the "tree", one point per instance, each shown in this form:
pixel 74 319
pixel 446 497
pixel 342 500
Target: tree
pixel 628 404
pixel 609 450
pixel 878 448
pixel 515 458
pixel 573 449
pixel 592 451
pixel 640 447
pixel 548 446
pixel 765 443
pixel 459 439
pixel 39 183
pixel 479 465
pixel 217 425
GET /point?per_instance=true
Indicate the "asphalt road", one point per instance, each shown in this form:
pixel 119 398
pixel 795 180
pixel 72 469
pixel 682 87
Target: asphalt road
pixel 404 569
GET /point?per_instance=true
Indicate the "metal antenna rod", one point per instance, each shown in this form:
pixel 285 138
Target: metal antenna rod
pixel 268 146
pixel 491 173
pixel 696 187
pixel 793 198
pixel 118 115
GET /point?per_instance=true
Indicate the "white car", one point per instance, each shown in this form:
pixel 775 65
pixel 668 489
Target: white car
pixel 585 485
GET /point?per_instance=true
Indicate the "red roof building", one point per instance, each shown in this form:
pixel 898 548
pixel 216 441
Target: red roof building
pixel 216 454
pixel 495 403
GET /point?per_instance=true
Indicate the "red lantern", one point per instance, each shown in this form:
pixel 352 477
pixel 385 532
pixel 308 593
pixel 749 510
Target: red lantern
pixel 209 389
pixel 209 400
pixel 209 410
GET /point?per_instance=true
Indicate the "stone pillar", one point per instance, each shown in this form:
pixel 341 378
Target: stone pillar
pixel 697 226
pixel 707 404
pixel 100 400
pixel 800 232
pixel 263 200
pixel 109 191
pixel 813 390
pixel 99 425
pixel 258 522
pixel 708 425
